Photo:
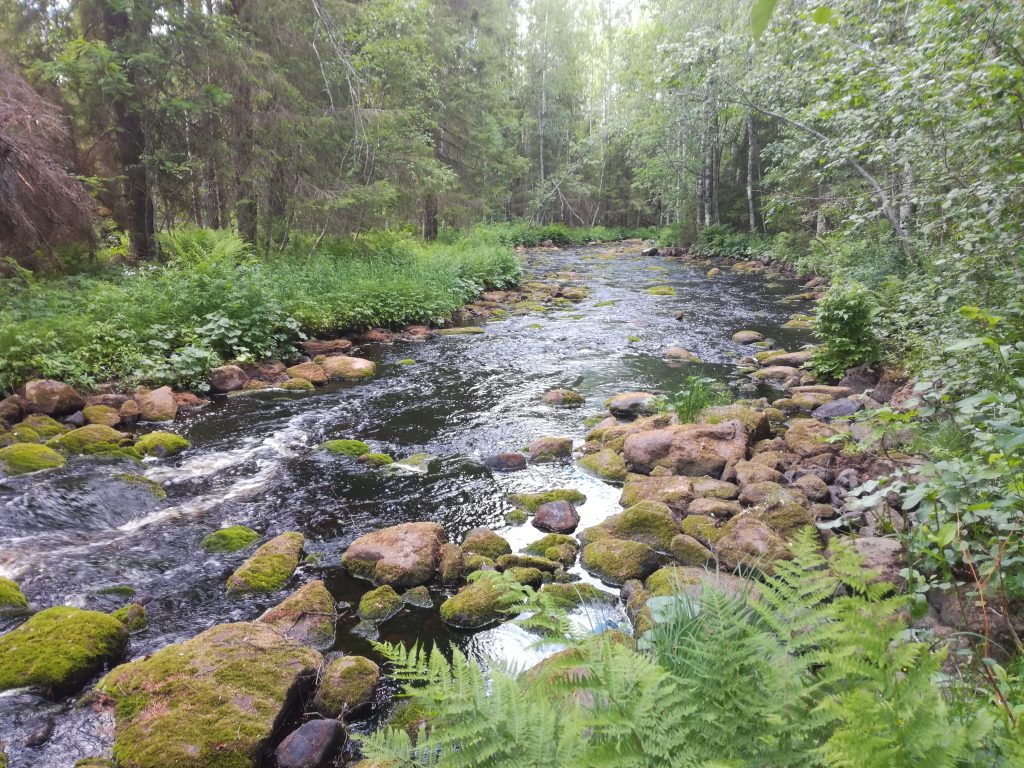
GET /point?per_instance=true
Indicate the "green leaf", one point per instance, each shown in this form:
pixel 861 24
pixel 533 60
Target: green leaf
pixel 822 14
pixel 760 15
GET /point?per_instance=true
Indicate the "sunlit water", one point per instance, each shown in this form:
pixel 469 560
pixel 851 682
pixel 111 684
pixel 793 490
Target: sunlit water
pixel 67 534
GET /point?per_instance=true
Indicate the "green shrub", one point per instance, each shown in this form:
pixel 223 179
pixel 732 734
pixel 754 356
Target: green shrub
pixel 845 323
pixel 697 394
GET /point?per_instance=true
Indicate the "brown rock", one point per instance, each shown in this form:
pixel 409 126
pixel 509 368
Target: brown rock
pixel 376 336
pixel 227 378
pixel 777 372
pixel 450 564
pixel 550 448
pixel 750 543
pixel 342 367
pixel 111 400
pixel 53 398
pixel 629 405
pixel 678 353
pixel 403 555
pixel 189 401
pixel 314 347
pixel 673 491
pixel 129 411
pixel 718 508
pixel 505 462
pixel 311 372
pixel 808 437
pixel 557 517
pixel 10 409
pixel 789 359
pixel 418 332
pixel 158 405
pixel 812 486
pixel 750 472
pixel 687 449
pixel 883 556
pixel 311 745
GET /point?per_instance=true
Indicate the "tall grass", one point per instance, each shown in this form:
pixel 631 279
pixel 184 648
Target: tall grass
pixel 213 299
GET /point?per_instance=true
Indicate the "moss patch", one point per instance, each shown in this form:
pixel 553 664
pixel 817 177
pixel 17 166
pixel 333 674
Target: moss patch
pixel 102 414
pixel 478 605
pixel 77 440
pixel 569 596
pixel 375 459
pixel 481 541
pixel 21 433
pixel 406 361
pixel 380 604
pixel 59 649
pixel 616 561
pixel 133 616
pixel 531 502
pixel 12 600
pixel 45 426
pixel 151 486
pixel 347 684
pixel 307 615
pixel 351 448
pixel 527 561
pixel 210 702
pixel 544 543
pixel 467 330
pixel 605 464
pixel 516 517
pixel 161 444
pixel 298 385
pixel 270 566
pixel 22 458
pixel 648 522
pixel 661 290
pixel 231 539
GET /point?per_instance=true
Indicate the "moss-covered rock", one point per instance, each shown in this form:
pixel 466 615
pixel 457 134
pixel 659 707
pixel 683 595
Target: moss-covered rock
pixel 661 290
pixel 483 541
pixel 214 701
pixel 161 444
pixel 532 501
pixel 380 604
pixel 574 594
pixel 546 449
pixel 12 599
pixel 375 459
pixel 703 528
pixel 475 563
pixel 133 616
pixel 22 458
pixel 77 440
pixel 297 385
pixel 306 616
pixel 465 330
pixel 346 685
pixel 152 487
pixel 527 561
pixel 102 414
pixel 22 433
pixel 688 551
pixel 516 517
pixel 270 566
pixel 418 597
pixel 350 368
pixel 676 579
pixel 563 397
pixel 647 522
pixel 59 649
pixel 531 577
pixel 605 464
pixel 478 605
pixel 450 563
pixel 616 561
pixel 234 538
pixel 45 426
pixel 749 543
pixel 311 372
pixel 544 543
pixel 351 448
pixel 810 437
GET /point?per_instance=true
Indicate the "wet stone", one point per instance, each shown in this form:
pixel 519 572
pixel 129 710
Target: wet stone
pixel 313 745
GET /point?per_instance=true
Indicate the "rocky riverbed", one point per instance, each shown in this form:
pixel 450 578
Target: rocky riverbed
pixel 208 581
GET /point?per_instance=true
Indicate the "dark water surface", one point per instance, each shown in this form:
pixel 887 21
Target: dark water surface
pixel 68 534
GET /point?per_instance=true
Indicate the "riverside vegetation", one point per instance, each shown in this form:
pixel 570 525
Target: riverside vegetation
pixel 838 580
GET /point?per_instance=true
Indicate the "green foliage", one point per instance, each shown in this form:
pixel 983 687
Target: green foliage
pixel 812 667
pixel 697 393
pixel 723 241
pixel 531 235
pixel 845 324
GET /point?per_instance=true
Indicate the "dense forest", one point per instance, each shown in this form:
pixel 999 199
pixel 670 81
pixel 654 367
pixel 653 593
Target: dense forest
pixel 207 191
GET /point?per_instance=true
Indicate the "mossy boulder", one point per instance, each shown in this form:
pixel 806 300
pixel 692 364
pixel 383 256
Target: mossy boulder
pixel 545 449
pixel 647 522
pixel 531 577
pixel 674 491
pixel 234 538
pixel 483 541
pixel 311 372
pixel 661 290
pixel 298 385
pixel 21 433
pixel 214 701
pixel 375 459
pixel 161 444
pixel 478 605
pixel 59 649
pixel 403 556
pixel 12 599
pixel 572 595
pixel 346 685
pixel 104 415
pixel 527 561
pixel 270 567
pixel 380 604
pixel 515 517
pixel 306 616
pixel 133 616
pixel 450 563
pixel 78 440
pixel 464 330
pixel 152 487
pixel 22 458
pixel 351 448
pixel 810 437
pixel 703 528
pixel 531 502
pixel 45 426
pixel 691 581
pixel 544 543
pixel 754 421
pixel 565 398
pixel 605 464
pixel 749 543
pixel 344 367
pixel 616 561
pixel 747 337
pixel 688 551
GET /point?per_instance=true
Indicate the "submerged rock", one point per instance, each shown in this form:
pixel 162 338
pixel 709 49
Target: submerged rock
pixel 679 353
pixel 312 745
pixel 22 458
pixel 133 616
pixel 347 684
pixel 531 502
pixel 234 538
pixel 307 615
pixel 616 561
pixel 550 449
pixel 53 398
pixel 563 397
pixel 59 649
pixel 214 701
pixel 270 567
pixel 403 555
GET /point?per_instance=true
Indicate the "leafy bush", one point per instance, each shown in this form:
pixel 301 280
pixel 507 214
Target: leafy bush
pixel 723 241
pixel 816 669
pixel 845 324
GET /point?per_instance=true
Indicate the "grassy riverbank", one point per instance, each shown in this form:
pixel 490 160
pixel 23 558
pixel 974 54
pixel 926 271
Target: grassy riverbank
pixel 213 299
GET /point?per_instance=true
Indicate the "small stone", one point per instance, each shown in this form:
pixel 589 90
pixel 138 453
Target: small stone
pixel 379 604
pixel 505 462
pixel 747 337
pixel 312 745
pixel 563 397
pixel 483 541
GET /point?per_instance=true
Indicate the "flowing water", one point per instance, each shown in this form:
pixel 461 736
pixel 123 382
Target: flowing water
pixel 70 534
